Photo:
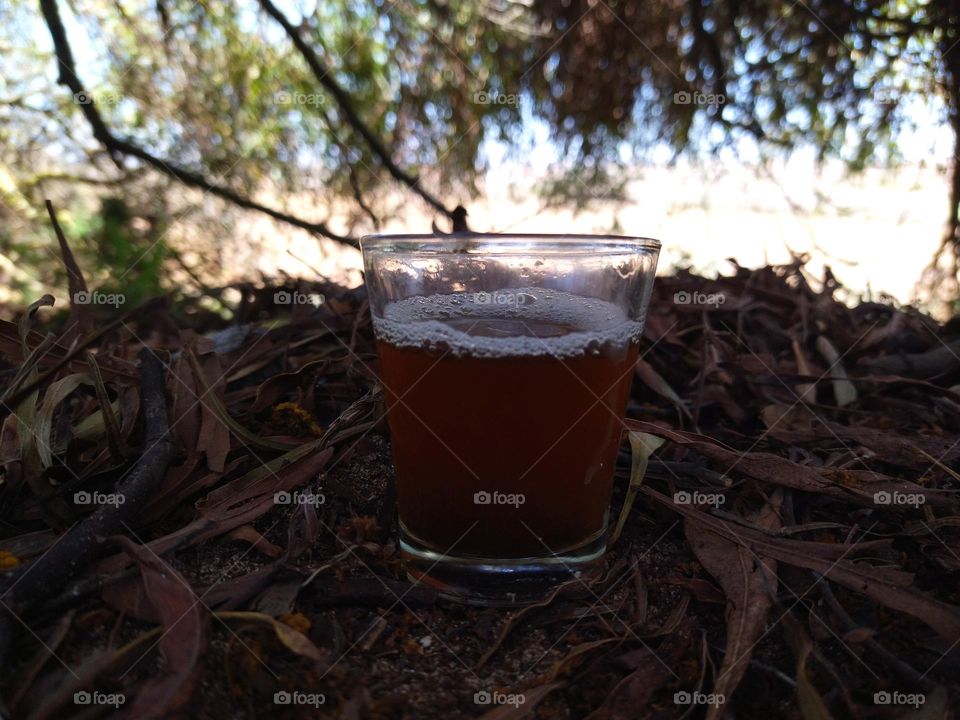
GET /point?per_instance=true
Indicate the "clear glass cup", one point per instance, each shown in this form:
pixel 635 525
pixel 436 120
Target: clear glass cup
pixel 506 362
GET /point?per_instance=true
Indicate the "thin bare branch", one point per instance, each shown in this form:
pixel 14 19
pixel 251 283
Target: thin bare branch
pixel 118 147
pixel 345 103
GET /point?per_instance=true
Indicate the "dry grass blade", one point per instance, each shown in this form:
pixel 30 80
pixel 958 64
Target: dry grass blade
pixel 750 584
pixel 110 423
pixel 81 315
pixel 56 393
pixel 844 391
pixel 879 585
pixel 642 446
pixel 809 700
pixel 210 397
pixel 186 628
pixel 291 638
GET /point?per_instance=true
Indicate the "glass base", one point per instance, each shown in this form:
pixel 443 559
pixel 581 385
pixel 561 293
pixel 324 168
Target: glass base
pixel 503 582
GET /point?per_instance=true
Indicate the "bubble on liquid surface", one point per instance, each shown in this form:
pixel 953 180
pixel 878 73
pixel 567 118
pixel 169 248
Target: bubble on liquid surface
pixel 521 321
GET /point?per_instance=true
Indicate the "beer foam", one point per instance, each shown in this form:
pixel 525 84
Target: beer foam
pixel 591 325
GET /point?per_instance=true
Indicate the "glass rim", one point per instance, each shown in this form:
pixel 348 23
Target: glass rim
pixel 557 242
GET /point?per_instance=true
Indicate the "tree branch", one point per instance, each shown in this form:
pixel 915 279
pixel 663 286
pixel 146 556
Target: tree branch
pixel 951 237
pixel 345 103
pixel 117 146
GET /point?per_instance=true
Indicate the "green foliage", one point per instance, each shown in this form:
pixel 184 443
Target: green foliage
pixel 130 261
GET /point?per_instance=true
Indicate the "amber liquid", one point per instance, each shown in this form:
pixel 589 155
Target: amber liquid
pixel 541 426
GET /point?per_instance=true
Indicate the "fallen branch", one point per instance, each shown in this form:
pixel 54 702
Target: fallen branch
pixel 938 361
pixel 46 576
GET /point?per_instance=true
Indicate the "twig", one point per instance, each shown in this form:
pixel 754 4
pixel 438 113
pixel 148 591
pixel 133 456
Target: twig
pixel 847 623
pixel 349 112
pixel 938 361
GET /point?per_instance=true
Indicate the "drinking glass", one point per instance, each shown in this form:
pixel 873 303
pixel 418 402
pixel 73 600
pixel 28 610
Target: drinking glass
pixel 506 362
